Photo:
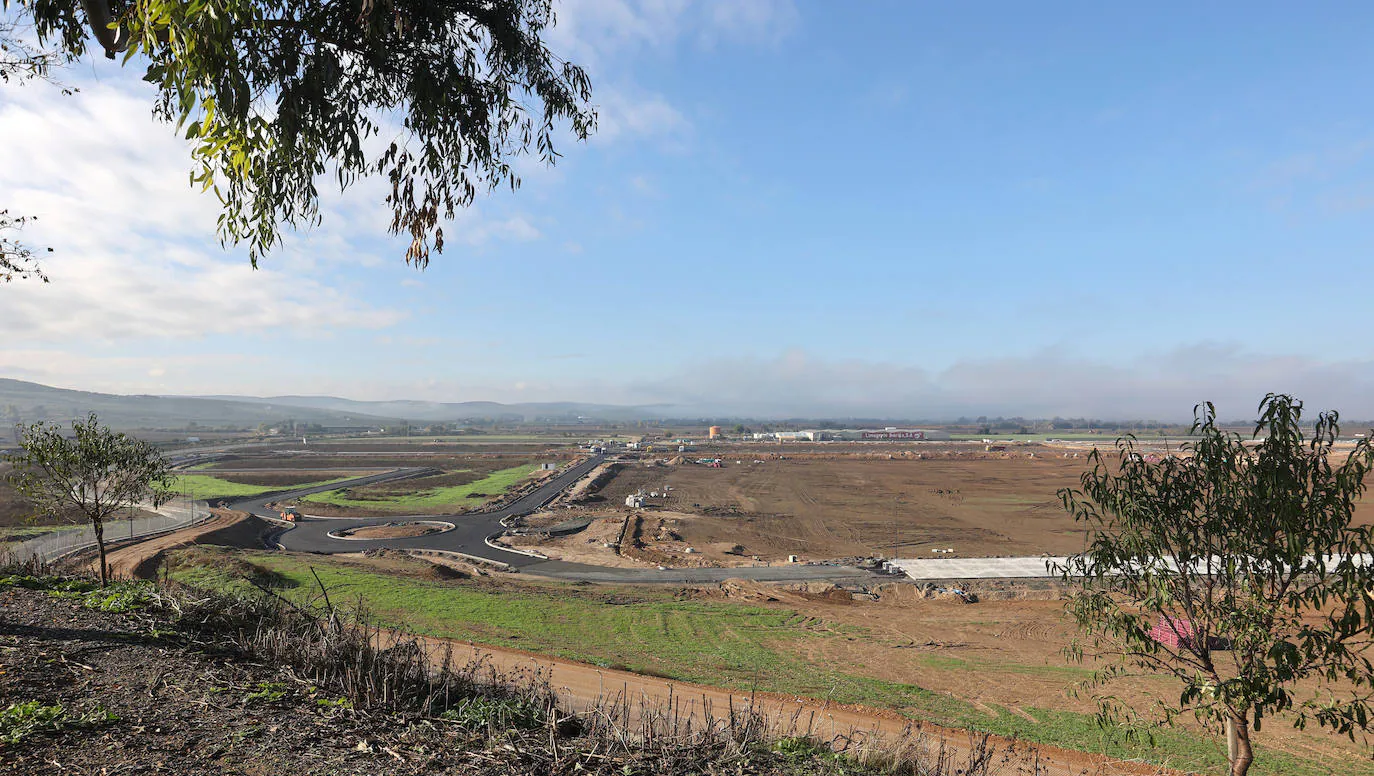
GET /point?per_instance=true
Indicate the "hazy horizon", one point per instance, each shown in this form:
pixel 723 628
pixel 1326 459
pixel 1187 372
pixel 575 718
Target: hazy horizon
pixel 1230 414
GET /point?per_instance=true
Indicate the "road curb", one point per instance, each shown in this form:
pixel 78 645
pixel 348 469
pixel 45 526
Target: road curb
pixel 475 559
pixel 488 541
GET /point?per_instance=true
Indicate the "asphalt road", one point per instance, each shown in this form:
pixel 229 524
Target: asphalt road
pixel 473 529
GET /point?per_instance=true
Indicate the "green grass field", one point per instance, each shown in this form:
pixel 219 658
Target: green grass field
pixel 203 486
pixel 721 644
pixel 456 495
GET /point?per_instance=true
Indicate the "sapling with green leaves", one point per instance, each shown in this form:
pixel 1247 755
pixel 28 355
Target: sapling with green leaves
pixel 1233 566
pixel 92 471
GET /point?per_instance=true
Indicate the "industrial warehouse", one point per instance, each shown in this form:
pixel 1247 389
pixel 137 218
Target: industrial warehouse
pixel 857 435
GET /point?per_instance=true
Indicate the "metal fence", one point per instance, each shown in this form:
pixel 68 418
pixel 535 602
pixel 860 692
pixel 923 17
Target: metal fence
pixel 169 517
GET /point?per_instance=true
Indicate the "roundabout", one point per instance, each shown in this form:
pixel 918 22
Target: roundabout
pixel 394 529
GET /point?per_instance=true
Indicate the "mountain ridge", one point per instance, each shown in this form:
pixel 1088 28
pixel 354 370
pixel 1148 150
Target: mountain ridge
pixel 25 401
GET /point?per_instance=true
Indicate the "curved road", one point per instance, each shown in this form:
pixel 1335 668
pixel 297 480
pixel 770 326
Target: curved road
pixel 474 528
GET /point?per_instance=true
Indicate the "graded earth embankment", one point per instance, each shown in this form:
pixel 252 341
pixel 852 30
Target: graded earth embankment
pixel 227 528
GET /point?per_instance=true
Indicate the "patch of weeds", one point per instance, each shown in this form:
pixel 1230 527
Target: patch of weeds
pixel 501 713
pixel 324 702
pixel 19 720
pixel 120 597
pixel 117 597
pixel 159 634
pixel 51 583
pixel 267 692
pixel 801 748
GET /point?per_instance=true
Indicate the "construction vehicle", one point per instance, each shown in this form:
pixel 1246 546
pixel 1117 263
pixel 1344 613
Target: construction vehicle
pixel 290 515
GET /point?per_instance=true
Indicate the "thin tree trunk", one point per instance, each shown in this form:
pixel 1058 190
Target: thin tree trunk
pixel 100 543
pixel 1238 750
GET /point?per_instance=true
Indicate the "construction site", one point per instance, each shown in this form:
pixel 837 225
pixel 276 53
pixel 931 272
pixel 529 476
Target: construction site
pixel 750 503
pixel 628 516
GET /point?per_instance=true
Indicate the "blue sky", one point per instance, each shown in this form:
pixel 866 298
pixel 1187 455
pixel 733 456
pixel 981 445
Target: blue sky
pixel 908 209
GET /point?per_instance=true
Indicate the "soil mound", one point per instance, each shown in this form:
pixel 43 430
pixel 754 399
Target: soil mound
pixel 745 590
pixel 898 592
pixel 444 573
pixel 821 591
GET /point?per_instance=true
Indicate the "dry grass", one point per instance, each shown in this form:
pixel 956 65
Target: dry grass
pixel 514 724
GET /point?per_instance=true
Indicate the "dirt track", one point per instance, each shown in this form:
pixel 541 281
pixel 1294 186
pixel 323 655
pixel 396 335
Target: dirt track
pixel 140 560
pixel 582 687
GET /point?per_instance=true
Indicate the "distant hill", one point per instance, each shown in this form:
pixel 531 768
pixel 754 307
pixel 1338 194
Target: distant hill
pixel 439 412
pixel 29 402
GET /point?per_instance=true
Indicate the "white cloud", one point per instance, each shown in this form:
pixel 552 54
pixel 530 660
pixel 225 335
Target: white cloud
pixel 767 21
pixel 621 115
pixel 135 254
pixel 643 185
pixel 514 228
pixel 1330 180
pixel 603 36
pixel 590 32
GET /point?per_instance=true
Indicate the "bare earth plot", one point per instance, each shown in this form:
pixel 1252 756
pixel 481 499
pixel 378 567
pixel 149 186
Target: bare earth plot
pixel 860 507
pixel 846 505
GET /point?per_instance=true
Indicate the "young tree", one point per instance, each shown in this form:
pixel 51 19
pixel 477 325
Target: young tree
pixel 434 96
pixel 1235 569
pixel 95 472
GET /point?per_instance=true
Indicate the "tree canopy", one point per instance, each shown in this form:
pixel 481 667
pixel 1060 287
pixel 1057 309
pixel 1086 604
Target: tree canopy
pixel 1234 567
pixel 435 96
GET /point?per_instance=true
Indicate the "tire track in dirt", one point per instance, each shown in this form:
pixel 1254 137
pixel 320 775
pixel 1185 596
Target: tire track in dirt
pixel 583 687
pixel 140 559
